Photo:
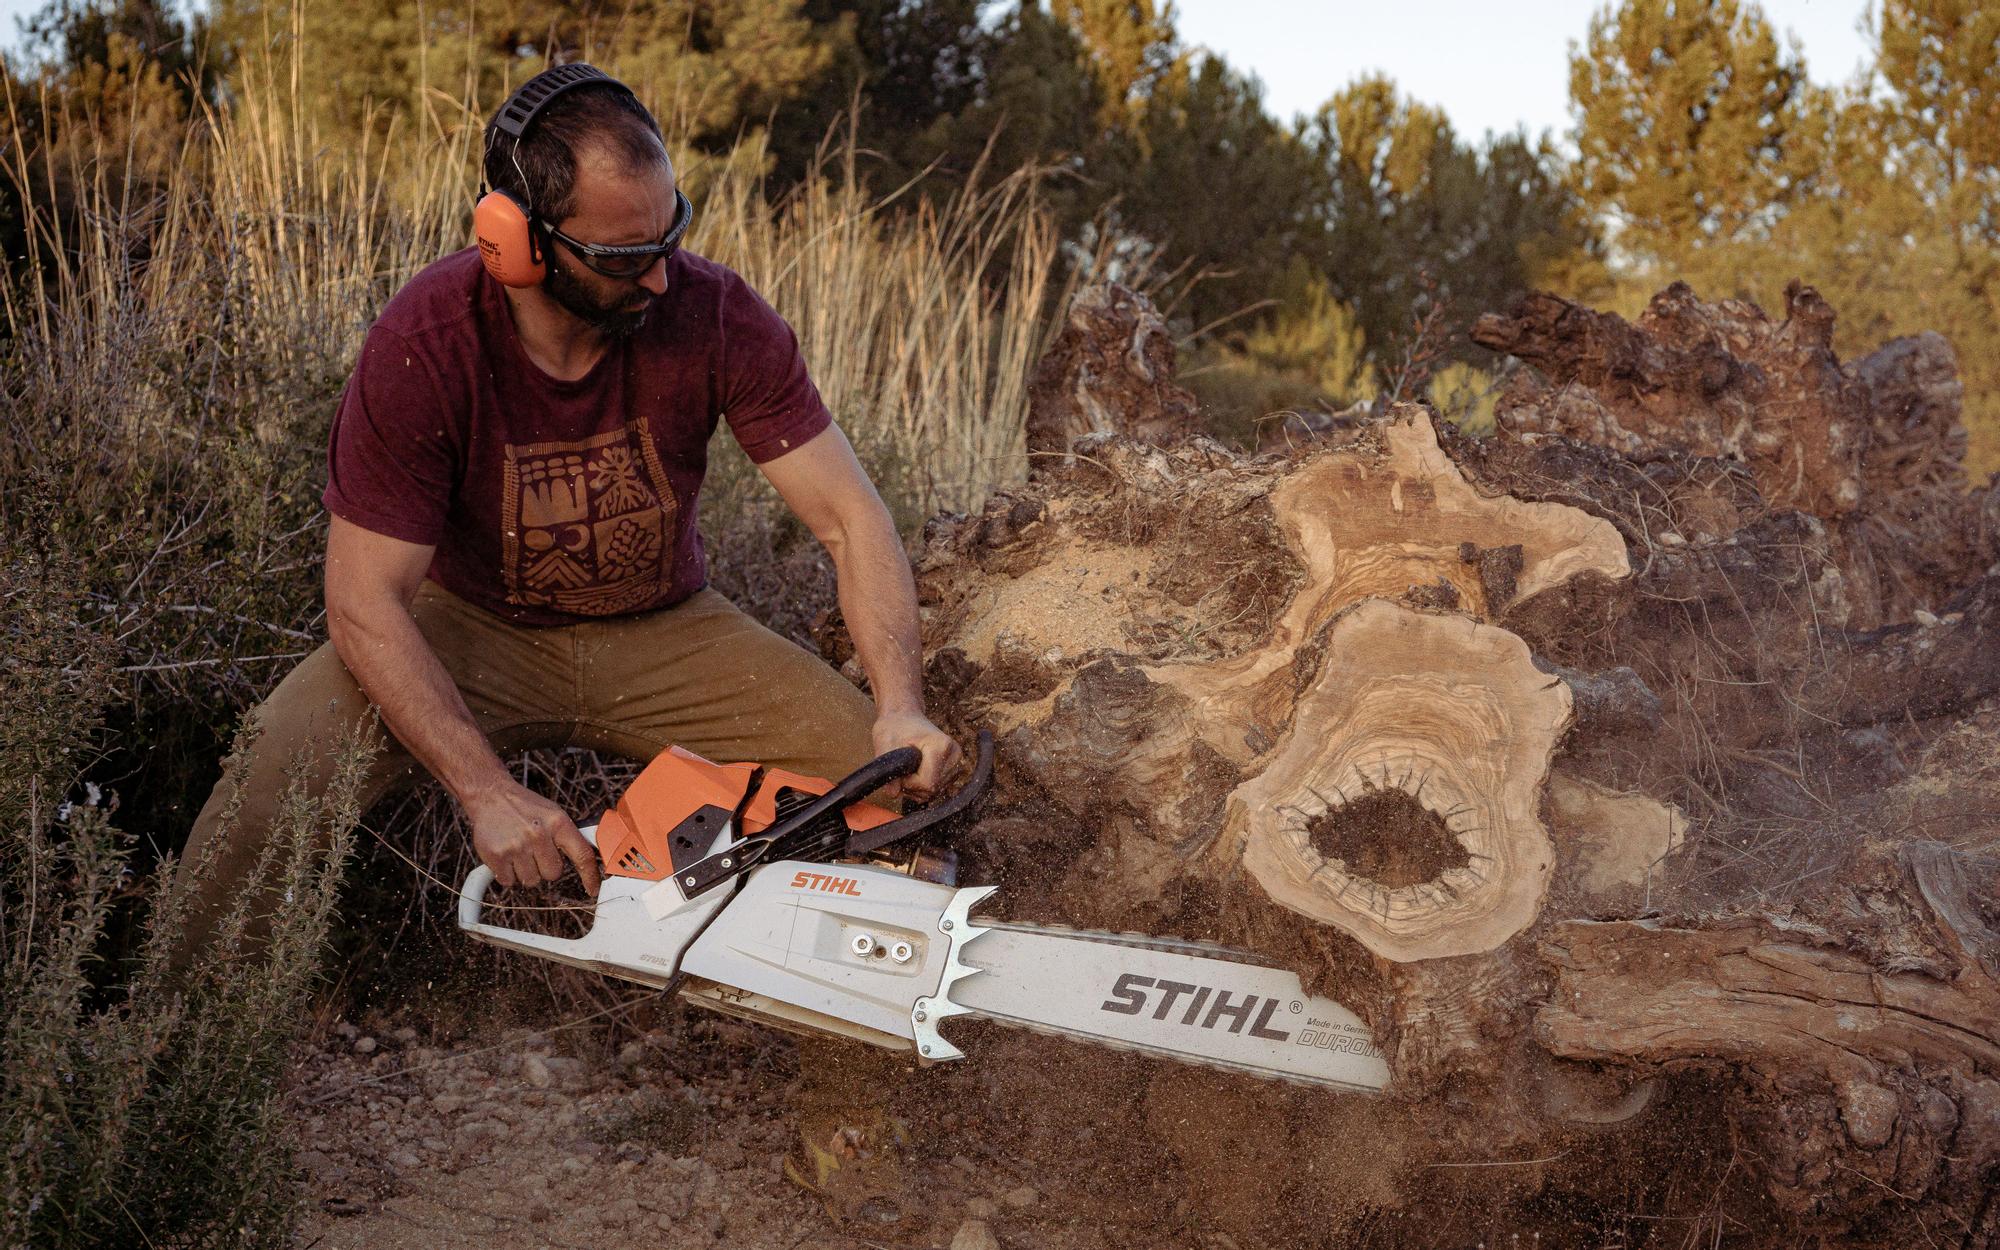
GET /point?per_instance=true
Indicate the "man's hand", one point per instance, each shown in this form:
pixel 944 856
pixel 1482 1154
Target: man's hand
pixel 913 729
pixel 523 838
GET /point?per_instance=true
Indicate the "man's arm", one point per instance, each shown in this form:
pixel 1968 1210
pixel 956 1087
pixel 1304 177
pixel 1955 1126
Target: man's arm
pixel 370 582
pixel 827 488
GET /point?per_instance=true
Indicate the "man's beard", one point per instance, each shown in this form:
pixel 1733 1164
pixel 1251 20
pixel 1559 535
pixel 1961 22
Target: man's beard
pixel 567 289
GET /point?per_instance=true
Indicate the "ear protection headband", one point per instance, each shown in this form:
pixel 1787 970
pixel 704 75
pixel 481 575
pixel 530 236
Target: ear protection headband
pixel 504 224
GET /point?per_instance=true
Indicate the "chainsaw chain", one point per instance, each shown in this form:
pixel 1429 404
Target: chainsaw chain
pixel 1143 941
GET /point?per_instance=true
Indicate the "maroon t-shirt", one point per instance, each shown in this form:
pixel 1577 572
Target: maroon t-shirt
pixel 552 501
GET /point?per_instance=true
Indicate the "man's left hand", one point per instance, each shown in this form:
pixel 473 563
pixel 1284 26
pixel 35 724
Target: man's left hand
pixel 913 729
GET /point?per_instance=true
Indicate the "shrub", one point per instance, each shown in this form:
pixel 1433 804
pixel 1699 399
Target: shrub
pixel 136 1110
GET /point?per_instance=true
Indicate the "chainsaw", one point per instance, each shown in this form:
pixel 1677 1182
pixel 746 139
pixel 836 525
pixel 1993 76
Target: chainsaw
pixel 775 897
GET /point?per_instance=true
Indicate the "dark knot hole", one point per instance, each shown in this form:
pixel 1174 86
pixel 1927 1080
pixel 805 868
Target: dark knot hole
pixel 1389 838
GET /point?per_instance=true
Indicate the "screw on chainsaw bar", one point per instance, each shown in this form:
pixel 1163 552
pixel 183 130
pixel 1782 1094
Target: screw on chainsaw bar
pixel 946 926
pixel 863 945
pixel 902 952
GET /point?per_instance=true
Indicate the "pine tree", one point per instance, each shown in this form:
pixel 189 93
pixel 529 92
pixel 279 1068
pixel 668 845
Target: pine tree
pixel 1940 63
pixel 1132 51
pixel 1414 214
pixel 709 69
pixel 1693 125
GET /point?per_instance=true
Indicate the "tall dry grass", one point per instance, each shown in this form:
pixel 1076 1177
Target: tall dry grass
pixel 922 336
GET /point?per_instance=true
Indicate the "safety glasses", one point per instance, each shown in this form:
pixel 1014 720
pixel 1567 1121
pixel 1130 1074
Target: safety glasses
pixel 630 260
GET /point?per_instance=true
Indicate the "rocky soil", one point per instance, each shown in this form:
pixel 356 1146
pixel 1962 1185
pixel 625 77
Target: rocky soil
pixel 512 1138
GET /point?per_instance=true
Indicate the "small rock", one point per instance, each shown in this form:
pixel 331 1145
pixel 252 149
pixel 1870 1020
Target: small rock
pixel 364 1046
pixel 974 1235
pixel 405 1035
pixel 628 1166
pixel 631 1053
pixel 347 1031
pixel 982 1208
pixel 405 1160
pixel 567 1071
pixel 433 1144
pixel 1869 1112
pixel 1021 1198
pixel 535 1070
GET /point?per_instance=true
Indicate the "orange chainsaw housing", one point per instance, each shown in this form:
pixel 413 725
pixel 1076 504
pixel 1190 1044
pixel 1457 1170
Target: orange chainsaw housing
pixel 632 838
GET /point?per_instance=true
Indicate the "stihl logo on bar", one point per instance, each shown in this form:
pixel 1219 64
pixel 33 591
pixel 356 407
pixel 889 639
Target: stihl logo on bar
pixel 820 881
pixel 1205 1007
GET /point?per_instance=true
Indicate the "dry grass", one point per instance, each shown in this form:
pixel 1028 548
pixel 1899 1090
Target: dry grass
pixel 921 337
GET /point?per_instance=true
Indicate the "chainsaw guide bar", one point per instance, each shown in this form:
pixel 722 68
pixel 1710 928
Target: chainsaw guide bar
pixel 759 924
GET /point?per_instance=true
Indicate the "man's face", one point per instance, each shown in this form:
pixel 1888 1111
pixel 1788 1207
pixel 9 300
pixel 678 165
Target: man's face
pixel 615 205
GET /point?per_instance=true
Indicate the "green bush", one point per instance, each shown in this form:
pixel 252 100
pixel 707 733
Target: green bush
pixel 139 1098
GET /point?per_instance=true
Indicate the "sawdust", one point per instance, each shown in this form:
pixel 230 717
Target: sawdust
pixel 1079 599
pixel 508 1140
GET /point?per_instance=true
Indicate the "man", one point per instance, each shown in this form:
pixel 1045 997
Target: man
pixel 513 560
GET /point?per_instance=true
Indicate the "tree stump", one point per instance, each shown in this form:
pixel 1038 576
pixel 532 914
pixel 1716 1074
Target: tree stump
pixel 1590 763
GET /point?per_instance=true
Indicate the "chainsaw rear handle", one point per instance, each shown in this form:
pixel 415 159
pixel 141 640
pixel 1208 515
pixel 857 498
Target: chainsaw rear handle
pixel 472 901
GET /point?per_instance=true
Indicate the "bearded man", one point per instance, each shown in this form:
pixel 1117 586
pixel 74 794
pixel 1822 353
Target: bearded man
pixel 513 476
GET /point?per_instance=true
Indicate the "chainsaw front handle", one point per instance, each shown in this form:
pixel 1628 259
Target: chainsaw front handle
pixel 939 813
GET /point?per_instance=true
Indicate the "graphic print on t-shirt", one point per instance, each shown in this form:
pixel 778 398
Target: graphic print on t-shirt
pixel 587 524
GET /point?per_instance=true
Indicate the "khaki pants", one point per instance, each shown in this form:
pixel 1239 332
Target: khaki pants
pixel 699 675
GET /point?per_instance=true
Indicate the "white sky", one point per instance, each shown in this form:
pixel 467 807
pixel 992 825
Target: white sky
pixel 1492 66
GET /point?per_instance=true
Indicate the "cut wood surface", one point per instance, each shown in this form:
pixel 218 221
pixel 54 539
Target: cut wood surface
pixel 1454 716
pixel 1616 839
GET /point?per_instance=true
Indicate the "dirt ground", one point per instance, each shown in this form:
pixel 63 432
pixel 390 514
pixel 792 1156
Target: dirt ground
pixel 507 1139
pixel 676 1139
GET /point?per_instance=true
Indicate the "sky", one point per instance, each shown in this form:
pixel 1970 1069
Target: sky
pixel 1491 66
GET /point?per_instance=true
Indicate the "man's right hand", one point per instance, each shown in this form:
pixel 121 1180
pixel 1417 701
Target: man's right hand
pixel 523 838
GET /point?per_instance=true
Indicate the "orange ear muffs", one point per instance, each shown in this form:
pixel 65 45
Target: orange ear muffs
pixel 507 240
